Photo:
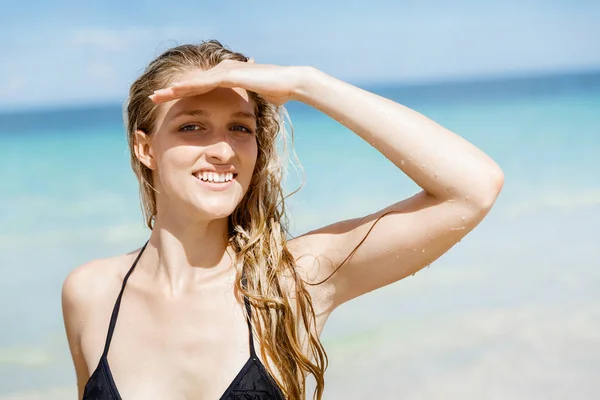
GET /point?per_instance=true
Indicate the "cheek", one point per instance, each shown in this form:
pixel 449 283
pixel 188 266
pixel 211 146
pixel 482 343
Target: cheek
pixel 251 154
pixel 246 154
pixel 174 159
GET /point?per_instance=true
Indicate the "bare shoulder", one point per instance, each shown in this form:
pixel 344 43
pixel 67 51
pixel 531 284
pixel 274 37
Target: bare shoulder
pixel 91 289
pixel 95 280
pixel 88 293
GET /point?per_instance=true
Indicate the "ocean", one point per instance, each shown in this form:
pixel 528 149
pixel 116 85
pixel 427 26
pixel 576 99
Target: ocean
pixel 513 311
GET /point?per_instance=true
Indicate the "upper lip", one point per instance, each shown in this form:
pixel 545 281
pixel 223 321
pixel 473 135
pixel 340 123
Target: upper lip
pixel 215 170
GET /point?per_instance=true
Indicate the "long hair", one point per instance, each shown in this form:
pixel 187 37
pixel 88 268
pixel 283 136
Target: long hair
pixel 258 230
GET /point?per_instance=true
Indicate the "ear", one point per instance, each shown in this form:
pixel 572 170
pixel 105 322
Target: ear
pixel 143 149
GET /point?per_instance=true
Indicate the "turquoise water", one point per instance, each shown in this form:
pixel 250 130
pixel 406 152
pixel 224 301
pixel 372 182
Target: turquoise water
pixel 68 196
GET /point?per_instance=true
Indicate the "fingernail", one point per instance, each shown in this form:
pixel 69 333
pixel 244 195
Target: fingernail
pixel 161 91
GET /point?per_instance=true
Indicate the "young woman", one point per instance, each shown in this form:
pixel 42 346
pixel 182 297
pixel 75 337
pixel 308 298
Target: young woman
pixel 221 303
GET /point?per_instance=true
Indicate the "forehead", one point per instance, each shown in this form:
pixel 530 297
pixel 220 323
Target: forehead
pixel 219 100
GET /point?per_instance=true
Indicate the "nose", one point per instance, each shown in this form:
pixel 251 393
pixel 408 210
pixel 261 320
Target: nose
pixel 220 151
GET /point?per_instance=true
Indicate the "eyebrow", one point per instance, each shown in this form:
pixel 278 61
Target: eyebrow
pixel 203 113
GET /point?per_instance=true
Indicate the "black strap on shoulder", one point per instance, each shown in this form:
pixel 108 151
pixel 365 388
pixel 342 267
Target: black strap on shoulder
pixel 115 312
pixel 248 318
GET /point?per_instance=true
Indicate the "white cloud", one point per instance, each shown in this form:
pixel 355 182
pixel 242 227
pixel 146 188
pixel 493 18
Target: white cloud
pixel 120 40
pixel 102 71
pixel 415 43
pixel 17 83
pixel 81 65
pixel 108 40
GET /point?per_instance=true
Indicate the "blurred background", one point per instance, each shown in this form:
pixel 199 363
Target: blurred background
pixel 511 312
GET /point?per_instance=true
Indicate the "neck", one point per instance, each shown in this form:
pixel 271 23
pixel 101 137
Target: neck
pixel 187 256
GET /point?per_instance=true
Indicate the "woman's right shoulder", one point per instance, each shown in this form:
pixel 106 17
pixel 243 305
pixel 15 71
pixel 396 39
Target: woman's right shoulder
pixel 88 294
pixel 96 281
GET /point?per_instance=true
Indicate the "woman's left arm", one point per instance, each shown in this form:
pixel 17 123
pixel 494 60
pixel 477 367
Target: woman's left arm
pixel 460 184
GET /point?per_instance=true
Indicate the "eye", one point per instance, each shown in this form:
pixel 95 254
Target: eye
pixel 241 128
pixel 190 127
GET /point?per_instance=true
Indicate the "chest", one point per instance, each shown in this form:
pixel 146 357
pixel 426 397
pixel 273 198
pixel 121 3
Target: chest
pixel 179 350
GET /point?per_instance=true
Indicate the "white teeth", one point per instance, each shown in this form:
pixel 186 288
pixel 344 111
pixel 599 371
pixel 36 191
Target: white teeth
pixel 215 177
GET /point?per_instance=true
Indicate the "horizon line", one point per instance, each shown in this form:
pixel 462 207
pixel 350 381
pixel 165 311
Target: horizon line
pixel 74 104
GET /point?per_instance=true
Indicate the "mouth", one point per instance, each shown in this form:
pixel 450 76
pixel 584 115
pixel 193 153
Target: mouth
pixel 215 177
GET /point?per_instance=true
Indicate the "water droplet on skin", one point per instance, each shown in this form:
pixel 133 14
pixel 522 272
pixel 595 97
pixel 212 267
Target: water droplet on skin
pixel 463 218
pixel 401 162
pixel 423 251
pixel 436 175
pixel 422 167
pixel 414 249
pixel 341 121
pixel 467 198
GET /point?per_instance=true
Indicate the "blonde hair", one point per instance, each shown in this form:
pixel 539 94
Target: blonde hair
pixel 257 228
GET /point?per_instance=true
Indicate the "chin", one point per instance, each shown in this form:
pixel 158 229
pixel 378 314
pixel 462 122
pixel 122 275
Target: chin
pixel 217 208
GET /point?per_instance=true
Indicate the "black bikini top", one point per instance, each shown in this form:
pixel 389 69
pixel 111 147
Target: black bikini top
pixel 253 382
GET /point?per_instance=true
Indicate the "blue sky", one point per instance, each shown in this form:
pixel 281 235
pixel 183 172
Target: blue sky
pixel 72 52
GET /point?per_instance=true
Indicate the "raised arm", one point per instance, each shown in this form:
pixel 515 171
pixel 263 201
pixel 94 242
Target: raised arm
pixel 460 184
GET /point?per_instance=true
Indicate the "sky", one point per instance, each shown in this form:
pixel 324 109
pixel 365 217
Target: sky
pixel 66 52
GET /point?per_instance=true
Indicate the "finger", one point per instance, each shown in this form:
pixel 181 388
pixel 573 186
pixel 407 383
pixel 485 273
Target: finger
pixel 183 89
pixel 161 95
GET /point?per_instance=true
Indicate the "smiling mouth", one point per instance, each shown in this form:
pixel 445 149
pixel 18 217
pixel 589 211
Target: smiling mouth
pixel 214 177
